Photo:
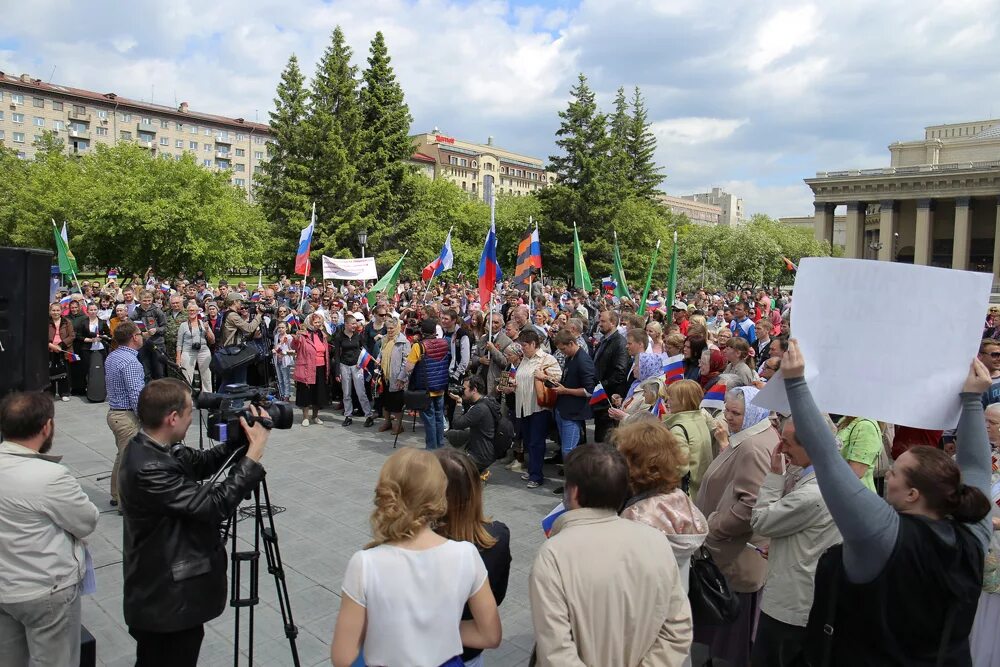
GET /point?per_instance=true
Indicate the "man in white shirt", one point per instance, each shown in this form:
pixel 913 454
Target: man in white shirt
pixel 44 516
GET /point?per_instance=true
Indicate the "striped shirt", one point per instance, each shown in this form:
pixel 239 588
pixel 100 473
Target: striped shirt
pixel 124 378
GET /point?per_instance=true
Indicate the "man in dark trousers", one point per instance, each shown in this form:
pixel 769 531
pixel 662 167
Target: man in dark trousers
pixel 174 557
pixel 611 361
pixel 474 429
pixel 573 404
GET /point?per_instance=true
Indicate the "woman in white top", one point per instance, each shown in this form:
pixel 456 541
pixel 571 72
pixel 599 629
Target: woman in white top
pixel 194 337
pixel 403 594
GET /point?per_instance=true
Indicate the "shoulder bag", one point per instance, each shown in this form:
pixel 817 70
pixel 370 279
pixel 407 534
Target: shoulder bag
pixel 416 399
pixel 231 357
pixel 545 397
pixel 712 601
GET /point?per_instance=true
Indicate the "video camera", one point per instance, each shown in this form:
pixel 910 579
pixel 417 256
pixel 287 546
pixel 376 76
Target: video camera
pixel 226 407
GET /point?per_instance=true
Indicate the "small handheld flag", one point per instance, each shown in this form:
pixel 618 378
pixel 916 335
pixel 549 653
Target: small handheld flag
pixel 659 408
pixel 65 300
pixel 598 395
pixel 790 265
pixel 673 368
pixel 329 326
pixel 112 275
pixel 72 357
pixel 715 397
pixel 513 373
pixel 444 261
pixel 609 284
pixel 364 358
pixel 550 519
pixel 291 319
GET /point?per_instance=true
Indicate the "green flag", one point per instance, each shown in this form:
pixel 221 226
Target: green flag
pixel 386 283
pixel 581 279
pixel 649 280
pixel 67 263
pixel 618 274
pixel 672 280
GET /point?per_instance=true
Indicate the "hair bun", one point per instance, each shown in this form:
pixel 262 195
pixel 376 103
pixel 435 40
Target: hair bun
pixel 971 504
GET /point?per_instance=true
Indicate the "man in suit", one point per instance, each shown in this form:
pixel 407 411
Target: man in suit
pixel 489 359
pixel 573 404
pixel 611 363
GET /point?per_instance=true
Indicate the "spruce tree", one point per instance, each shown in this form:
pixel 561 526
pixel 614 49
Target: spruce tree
pixel 385 145
pixel 641 148
pixel 620 166
pixel 331 132
pixel 282 182
pixel 580 129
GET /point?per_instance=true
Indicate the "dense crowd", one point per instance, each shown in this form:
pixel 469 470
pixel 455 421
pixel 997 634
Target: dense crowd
pixel 693 523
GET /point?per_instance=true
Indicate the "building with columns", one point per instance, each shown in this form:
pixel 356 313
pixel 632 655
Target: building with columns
pixel 937 204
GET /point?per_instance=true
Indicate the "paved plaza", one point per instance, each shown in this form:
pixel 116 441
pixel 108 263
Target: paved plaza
pixel 324 477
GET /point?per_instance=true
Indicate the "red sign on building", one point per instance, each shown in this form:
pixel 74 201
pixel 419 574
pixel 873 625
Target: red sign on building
pixel 441 139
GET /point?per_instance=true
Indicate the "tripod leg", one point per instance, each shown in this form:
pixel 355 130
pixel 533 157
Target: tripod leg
pixel 272 553
pixel 236 601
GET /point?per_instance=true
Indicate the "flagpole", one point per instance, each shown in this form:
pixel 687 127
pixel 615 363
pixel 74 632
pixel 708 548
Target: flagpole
pixel 541 272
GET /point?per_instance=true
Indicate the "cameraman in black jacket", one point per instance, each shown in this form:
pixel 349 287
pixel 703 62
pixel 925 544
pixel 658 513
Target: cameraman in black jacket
pixel 174 557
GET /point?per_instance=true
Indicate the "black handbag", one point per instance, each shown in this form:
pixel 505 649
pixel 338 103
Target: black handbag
pixel 712 601
pixel 416 399
pixel 231 357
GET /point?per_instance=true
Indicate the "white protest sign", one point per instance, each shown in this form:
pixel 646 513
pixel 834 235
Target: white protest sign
pixel 888 341
pixel 349 269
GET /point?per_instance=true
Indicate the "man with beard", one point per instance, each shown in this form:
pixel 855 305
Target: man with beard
pixel 44 516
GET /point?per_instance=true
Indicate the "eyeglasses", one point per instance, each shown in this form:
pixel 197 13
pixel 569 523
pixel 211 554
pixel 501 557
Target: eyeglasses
pixel 995 355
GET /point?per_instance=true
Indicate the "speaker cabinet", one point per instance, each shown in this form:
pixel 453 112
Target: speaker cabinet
pixel 24 314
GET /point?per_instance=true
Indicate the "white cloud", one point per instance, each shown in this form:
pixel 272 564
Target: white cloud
pixel 781 34
pixel 696 130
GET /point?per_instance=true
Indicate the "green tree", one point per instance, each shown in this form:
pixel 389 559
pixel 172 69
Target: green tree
pixel 48 144
pixel 620 166
pixel 640 144
pixel 283 188
pixel 385 144
pixel 332 134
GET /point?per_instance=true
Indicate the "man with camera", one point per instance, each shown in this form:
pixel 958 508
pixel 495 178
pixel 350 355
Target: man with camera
pixel 174 557
pixel 234 330
pixel 473 431
pixel 151 322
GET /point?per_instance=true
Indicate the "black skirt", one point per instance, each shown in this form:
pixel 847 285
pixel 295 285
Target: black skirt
pixel 312 395
pixel 392 401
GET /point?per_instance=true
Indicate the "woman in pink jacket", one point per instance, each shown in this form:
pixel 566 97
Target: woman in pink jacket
pixel 312 366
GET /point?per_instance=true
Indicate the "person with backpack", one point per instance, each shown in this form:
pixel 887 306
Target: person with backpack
pixel 427 367
pixel 474 430
pixel 573 402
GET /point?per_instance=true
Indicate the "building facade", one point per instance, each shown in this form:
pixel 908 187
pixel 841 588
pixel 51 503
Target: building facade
pixel 731 206
pixel 466 164
pixel 83 118
pixel 697 212
pixel 937 204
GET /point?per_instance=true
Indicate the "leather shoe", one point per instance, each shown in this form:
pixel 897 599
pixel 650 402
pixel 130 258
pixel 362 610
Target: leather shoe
pixel 348 421
pixel 558 490
pixel 369 422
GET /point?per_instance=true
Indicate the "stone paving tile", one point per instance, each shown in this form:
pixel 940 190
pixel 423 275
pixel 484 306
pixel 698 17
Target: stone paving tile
pixel 324 477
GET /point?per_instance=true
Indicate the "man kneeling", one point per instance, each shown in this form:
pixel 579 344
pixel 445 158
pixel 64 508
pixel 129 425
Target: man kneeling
pixel 474 430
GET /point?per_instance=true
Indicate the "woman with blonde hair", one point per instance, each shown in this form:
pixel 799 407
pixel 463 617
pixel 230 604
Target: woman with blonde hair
pixel 687 423
pixel 464 522
pixel 654 461
pixel 404 592
pixel 655 332
pixel 392 360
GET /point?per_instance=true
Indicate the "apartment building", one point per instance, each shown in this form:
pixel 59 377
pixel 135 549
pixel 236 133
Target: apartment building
pixel 83 118
pixel 465 163
pixel 730 206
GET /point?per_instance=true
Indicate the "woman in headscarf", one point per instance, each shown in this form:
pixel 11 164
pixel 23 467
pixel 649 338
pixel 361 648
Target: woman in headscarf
pixel 727 497
pixel 712 362
pixel 647 365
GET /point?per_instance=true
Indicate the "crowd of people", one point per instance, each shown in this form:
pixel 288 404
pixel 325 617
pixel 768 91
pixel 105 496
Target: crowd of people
pixel 837 538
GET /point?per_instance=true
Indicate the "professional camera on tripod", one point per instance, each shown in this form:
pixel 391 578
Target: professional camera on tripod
pixel 226 407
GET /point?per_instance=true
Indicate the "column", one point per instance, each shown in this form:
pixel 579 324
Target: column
pixel 923 246
pixel 963 236
pixel 996 246
pixel 887 227
pixel 824 222
pixel 855 246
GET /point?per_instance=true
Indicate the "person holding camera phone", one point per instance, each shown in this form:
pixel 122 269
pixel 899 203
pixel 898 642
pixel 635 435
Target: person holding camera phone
pixel 173 553
pixel 194 341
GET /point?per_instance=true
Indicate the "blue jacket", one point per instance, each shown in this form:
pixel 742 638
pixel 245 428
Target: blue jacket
pixel 579 372
pixel 431 372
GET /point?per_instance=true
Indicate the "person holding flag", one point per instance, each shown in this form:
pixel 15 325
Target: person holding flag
pixel 302 262
pixel 579 380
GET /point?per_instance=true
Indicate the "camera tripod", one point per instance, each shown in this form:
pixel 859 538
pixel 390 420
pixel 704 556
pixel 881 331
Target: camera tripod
pixel 262 514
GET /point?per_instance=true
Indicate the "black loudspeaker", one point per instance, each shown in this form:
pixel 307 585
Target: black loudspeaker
pixel 24 313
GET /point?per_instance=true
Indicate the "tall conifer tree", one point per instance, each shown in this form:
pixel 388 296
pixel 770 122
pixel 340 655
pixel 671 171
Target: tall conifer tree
pixel 641 148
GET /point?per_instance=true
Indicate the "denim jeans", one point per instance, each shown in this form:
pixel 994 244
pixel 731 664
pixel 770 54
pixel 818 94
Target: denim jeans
pixel 43 631
pixel 284 375
pixel 433 419
pixel 535 428
pixel 569 433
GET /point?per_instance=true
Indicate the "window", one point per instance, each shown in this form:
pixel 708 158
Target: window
pixel 17 117
pixel 1 115
pixel 38 102
pixel 240 182
pixel 475 165
pixel 80 110
pixel 164 141
pixel 1 135
pixel 473 186
pixel 464 162
pixel 78 127
pixel 178 157
pixel 17 98
pixel 222 134
pixel 19 137
pixel 240 136
pixel 208 148
pixel 240 167
pixel 58 125
pixel 193 145
pixel 146 137
pixel 222 164
pixel 258 155
pixel 165 124
pixel 240 152
pixel 259 140
pixel 179 143
pixel 208 131
pixel 193 129
pixel 125 135
pixel 465 186
pixel 207 163
pixel 102 114
pixel 146 120
pixel 102 131
pixel 39 122
pixel 452 159
pixel 179 127
pixel 1 96
pixel 165 156
pixel 57 106
pixel 126 117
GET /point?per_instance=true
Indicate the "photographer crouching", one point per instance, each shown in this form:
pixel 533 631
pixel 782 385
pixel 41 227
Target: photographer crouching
pixel 174 557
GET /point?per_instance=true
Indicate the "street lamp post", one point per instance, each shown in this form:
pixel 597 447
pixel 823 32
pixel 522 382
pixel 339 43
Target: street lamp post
pixel 895 245
pixel 876 247
pixel 704 257
pixel 363 240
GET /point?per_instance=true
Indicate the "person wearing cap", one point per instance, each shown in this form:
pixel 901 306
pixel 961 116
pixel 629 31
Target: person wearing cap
pixel 346 352
pixel 681 316
pixel 427 367
pixel 234 330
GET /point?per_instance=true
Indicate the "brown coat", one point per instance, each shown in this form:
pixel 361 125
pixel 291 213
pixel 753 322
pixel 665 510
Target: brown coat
pixel 66 333
pixel 727 497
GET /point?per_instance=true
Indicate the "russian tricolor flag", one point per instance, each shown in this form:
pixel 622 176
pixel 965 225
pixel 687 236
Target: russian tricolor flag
pixel 715 397
pixel 535 251
pixel 598 395
pixel 65 300
pixel 609 284
pixel 443 262
pixel 72 357
pixel 659 409
pixel 653 304
pixel 489 268
pixel 302 264
pixel 550 519
pixel 291 319
pixel 673 368
pixel 364 358
pixel 112 275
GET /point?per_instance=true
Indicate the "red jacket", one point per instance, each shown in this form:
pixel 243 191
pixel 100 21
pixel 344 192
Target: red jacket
pixel 308 349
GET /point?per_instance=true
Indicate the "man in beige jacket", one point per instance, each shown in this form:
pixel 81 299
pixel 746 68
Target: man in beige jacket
pixel 605 590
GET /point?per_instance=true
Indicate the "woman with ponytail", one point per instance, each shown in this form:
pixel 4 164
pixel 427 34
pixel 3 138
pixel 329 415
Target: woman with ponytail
pixel 903 587
pixel 403 594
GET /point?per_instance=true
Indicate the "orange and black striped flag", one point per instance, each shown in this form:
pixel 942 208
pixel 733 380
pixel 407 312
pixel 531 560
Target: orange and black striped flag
pixel 529 258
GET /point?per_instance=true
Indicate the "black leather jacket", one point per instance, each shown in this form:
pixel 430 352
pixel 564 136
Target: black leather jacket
pixel 174 557
pixel 611 362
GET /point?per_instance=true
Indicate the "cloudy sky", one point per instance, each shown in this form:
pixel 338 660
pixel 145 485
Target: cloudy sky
pixel 750 96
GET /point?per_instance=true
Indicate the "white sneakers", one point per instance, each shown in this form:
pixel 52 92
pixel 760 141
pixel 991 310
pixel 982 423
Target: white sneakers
pixel 65 399
pixel 305 422
pixel 317 420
